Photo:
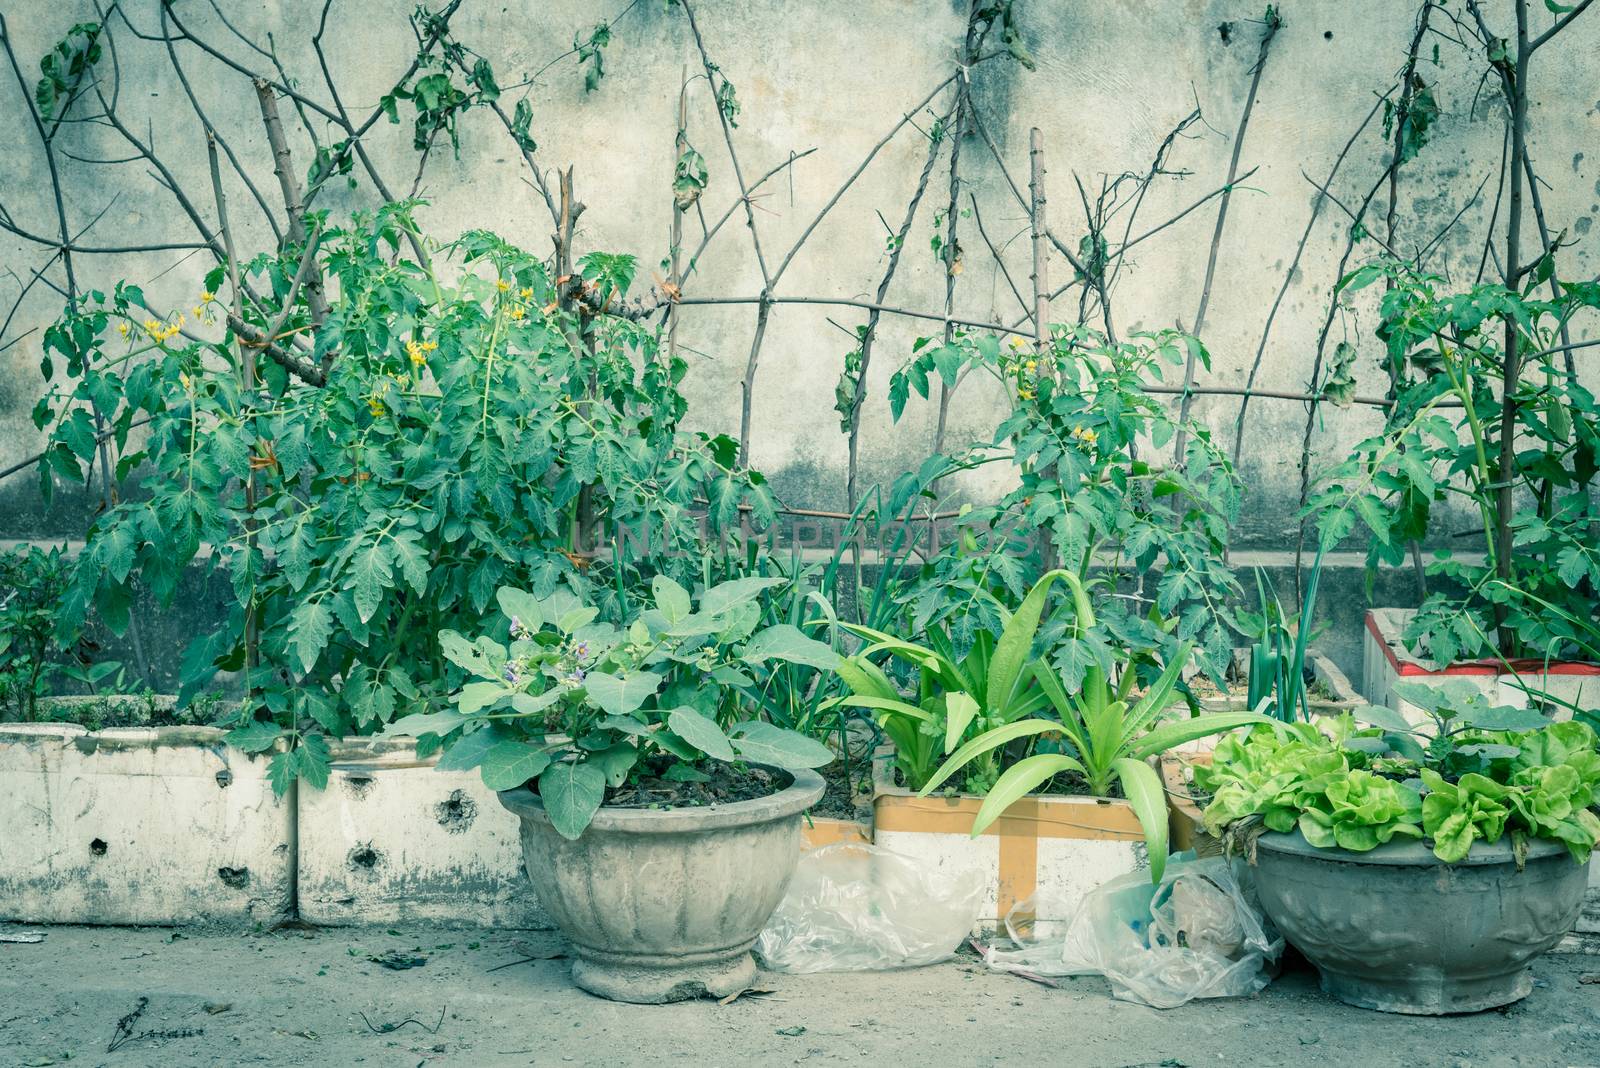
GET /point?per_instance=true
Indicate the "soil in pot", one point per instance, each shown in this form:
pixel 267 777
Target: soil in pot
pixel 722 784
pixel 848 791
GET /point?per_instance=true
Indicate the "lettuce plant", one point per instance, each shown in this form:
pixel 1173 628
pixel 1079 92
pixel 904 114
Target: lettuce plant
pixel 1472 772
pixel 577 706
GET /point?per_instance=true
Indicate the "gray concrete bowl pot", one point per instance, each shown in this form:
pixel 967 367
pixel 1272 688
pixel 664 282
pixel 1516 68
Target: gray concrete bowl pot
pixel 1398 930
pixel 664 905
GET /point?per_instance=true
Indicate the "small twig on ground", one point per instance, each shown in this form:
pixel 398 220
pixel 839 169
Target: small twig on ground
pixel 389 1028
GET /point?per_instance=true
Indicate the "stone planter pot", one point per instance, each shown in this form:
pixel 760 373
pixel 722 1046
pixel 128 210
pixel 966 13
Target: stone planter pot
pixel 1399 931
pixel 664 905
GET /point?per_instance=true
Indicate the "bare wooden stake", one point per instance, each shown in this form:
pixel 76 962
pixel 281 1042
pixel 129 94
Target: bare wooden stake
pixel 247 383
pixel 1041 241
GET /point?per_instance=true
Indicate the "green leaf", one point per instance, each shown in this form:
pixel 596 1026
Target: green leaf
pixel 621 695
pixel 476 696
pixel 509 764
pixel 700 732
pixel 371 573
pixel 413 560
pixel 572 794
pixel 254 737
pixel 470 750
pixel 1013 649
pixel 614 762
pixel 1384 717
pixel 728 595
pixel 312 761
pixel 763 743
pixel 483 658
pixel 281 772
pixel 982 744
pixel 521 606
pixel 784 641
pixel 310 627
pixel 671 598
pixel 959 711
pixel 420 723
pixel 1142 787
pixel 1017 782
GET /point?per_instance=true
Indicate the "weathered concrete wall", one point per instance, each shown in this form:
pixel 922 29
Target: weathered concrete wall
pixel 1112 80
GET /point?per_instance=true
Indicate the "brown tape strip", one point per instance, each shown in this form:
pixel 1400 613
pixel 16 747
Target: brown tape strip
pixel 1045 817
pixel 814 834
pixel 1019 856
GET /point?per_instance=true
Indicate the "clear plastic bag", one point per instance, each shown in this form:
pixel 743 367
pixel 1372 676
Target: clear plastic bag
pixel 856 907
pixel 1198 934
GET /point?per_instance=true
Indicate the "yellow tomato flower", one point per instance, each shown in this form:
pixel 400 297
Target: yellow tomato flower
pixel 503 285
pixel 1032 366
pixel 206 297
pixel 122 328
pixel 517 313
pixel 525 294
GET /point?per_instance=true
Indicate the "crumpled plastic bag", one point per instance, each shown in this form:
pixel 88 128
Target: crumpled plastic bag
pixel 1198 934
pixel 857 907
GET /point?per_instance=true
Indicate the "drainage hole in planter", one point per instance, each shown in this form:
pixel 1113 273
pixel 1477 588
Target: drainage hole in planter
pixel 456 812
pixel 365 858
pixel 224 778
pixel 358 786
pixel 238 878
pixel 97 848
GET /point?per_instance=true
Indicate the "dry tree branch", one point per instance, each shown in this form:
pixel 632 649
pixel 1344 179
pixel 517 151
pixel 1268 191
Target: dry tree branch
pixel 1273 23
pixel 211 130
pixel 977 218
pixel 1288 276
pixel 869 335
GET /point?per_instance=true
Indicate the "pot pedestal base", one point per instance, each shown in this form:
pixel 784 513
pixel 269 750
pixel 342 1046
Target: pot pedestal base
pixel 656 981
pixel 1418 996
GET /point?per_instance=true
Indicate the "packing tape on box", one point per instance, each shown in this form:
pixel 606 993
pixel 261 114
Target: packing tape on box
pixel 1019 830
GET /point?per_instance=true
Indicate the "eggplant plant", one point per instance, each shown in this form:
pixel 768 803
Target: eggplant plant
pixel 559 698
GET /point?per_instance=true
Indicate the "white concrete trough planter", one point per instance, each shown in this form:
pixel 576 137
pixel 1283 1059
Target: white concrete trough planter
pixel 1386 661
pixel 139 825
pixel 1054 849
pixel 391 839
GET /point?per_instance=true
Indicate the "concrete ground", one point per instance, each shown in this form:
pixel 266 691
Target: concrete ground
pixel 476 998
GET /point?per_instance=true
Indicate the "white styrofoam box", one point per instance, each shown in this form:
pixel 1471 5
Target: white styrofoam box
pixel 392 839
pixel 1387 661
pixel 1049 848
pixel 139 825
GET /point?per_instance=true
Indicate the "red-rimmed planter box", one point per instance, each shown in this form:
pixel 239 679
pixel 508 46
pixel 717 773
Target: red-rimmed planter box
pixel 1387 661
